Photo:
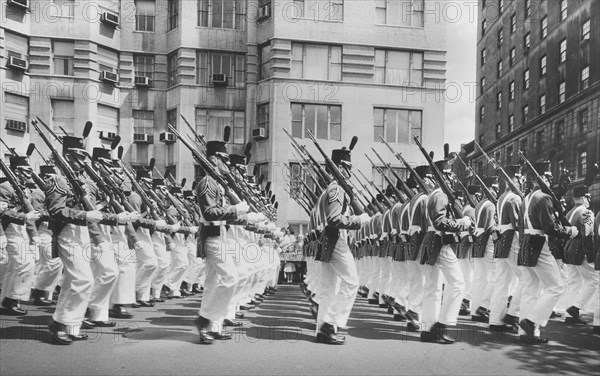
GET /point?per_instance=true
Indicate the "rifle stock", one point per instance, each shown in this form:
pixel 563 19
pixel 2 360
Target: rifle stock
pixel 499 168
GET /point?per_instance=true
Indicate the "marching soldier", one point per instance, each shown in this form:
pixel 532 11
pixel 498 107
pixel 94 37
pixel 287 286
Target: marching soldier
pixel 337 261
pixel 542 282
pixel 596 322
pixel 465 250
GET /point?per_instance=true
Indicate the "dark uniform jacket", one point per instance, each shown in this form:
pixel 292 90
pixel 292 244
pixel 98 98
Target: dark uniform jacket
pixel 509 217
pixel 583 244
pixel 485 217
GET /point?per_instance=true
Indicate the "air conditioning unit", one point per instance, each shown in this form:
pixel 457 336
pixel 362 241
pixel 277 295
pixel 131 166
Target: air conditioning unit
pixel 141 81
pixel 107 135
pixel 19 3
pixel 15 62
pixel 259 133
pixel 110 77
pixel 141 138
pixel 167 137
pixel 219 79
pixel 110 18
pixel 264 12
pixel 15 125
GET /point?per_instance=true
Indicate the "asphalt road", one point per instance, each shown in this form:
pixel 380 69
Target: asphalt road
pixel 278 339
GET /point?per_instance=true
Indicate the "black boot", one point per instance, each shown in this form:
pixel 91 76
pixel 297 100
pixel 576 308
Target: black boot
pixel 464 308
pixel 119 311
pixel 575 318
pixel 327 335
pixel 12 307
pixel 196 289
pixel 39 298
pixel 202 325
pixel 481 315
pixel 437 334
pixel 58 334
pixel 529 337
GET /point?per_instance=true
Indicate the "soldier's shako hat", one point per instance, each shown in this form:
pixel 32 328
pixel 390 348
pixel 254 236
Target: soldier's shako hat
pixel 411 182
pixel 102 155
pixel 423 170
pixel 174 190
pixel 389 191
pixel 458 194
pixel 47 169
pixel 543 168
pixel 142 174
pixel 473 189
pixel 237 159
pixel 443 166
pixel 581 191
pixel 512 170
pixel 19 161
pixel 188 193
pixel 216 148
pixel 74 144
pixel 341 156
pixel 490 181
pixel 157 183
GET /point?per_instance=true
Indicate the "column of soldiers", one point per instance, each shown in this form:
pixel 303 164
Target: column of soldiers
pixel 428 253
pixel 75 225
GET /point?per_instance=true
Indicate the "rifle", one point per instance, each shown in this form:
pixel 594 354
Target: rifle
pixel 467 194
pixel 317 167
pixel 499 168
pixel 36 178
pixel 546 189
pixel 485 189
pixel 198 137
pixel 379 192
pixel 138 188
pixel 441 180
pixel 313 197
pixel 14 181
pixel 309 169
pixel 362 197
pixel 398 193
pixel 298 201
pixel 399 156
pixel 358 209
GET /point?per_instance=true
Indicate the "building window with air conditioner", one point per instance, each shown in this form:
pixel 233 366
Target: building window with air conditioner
pixel 63 56
pixel 107 122
pixel 16 112
pixel 108 64
pixel 144 69
pixel 143 127
pixel 324 121
pixel 145 11
pixel 398 68
pixel 262 119
pixel 212 123
pixel 17 51
pixel 217 68
pixel 222 14
pixel 63 116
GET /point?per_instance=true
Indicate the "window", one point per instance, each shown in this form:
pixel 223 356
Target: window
pixel 513 23
pixel 172 77
pixel 560 132
pixel 173 15
pixel 264 61
pixel 511 91
pixel 63 116
pixel 526 79
pixel 224 14
pixel 585 30
pixel 315 61
pixel 482 83
pixel 500 69
pixel 562 92
pixel 380 180
pixel 498 130
pixel 143 121
pixel 481 141
pixel 16 45
pixel 324 121
pixel 483 56
pixel 513 56
pixel 500 37
pixel 262 116
pixel 398 67
pixel 16 111
pixel 499 100
pixel 144 15
pixel 525 113
pixel 233 66
pixel 523 146
pixel 585 78
pixel 511 123
pixel 544 27
pixel 527 9
pixel 501 6
pixel 542 104
pixel 263 170
pixel 563 51
pixel 298 7
pixel 212 123
pixel 144 66
pixel 408 13
pixel 582 120
pixel 63 54
pixel 483 27
pixel 509 155
pixel 563 9
pixel 539 141
pixel 543 63
pixel 527 42
pixel 582 165
pixel 108 60
pixel 397 126
pixel 481 114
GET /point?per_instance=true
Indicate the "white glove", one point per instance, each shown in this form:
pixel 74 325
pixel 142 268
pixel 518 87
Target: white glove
pixel 465 222
pixel 271 226
pixel 255 217
pixel 413 229
pixel 262 226
pixel 33 215
pixel 241 209
pixel 175 227
pixel 364 218
pixel 161 223
pixel 3 241
pixel 193 229
pixel 278 233
pixel 94 215
pixel 573 231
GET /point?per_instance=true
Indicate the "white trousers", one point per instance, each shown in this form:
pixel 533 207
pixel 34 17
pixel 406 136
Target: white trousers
pixel 402 286
pixel 146 264
pixel 49 269
pixel 163 261
pixel 582 275
pixel 545 278
pixel 335 305
pixel 19 275
pixel 447 313
pixel 482 283
pixel 505 272
pixel 124 291
pixel 466 266
pixel 106 272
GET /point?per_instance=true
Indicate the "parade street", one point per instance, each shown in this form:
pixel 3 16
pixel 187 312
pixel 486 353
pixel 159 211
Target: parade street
pixel 278 339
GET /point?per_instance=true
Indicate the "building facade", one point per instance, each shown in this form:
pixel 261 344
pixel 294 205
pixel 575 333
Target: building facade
pixel 338 68
pixel 539 92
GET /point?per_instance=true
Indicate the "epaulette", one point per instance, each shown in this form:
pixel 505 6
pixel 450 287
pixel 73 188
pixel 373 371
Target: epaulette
pixel 56 184
pixel 338 195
